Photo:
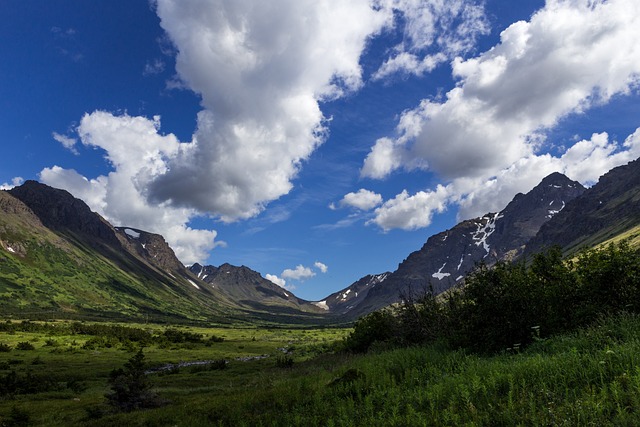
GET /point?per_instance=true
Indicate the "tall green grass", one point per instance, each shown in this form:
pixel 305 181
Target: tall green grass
pixel 588 377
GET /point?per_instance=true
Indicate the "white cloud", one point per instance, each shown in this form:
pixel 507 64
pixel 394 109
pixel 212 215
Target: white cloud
pixel 299 273
pixel 364 200
pixel 276 280
pixel 568 57
pixel 585 161
pixel 137 153
pixel 18 180
pixel 321 266
pixel 434 31
pixel 153 67
pixel 410 212
pixel 273 62
pixel 261 69
pixel 67 142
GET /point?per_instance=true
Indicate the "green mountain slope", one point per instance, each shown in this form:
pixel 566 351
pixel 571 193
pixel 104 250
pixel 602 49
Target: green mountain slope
pixel 59 259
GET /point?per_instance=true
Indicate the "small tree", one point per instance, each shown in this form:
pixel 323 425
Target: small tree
pixel 130 388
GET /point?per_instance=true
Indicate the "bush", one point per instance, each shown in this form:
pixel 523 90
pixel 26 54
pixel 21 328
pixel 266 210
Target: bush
pixel 130 388
pixel 379 326
pixel 284 361
pixel 25 345
pixel 511 304
pixel 4 348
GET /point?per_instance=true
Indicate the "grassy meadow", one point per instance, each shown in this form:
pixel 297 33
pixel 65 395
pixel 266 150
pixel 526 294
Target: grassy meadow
pixel 589 377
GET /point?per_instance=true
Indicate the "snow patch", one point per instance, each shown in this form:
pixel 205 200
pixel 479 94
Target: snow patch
pixel 460 263
pixel 459 278
pixel 10 249
pixel 378 278
pixel 193 283
pixel 286 294
pixel 440 275
pixel 484 231
pixel 322 304
pixel 131 233
pixel 552 212
pixel 445 237
pixel 344 295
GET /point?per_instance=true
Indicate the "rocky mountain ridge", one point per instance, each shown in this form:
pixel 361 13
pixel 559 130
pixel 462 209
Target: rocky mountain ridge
pixel 448 256
pixel 86 266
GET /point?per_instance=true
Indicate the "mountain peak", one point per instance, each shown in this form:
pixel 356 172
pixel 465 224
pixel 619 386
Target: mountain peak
pixel 557 178
pixel 60 210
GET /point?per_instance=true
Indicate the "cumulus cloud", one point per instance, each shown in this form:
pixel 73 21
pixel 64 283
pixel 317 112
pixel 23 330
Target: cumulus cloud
pixel 261 69
pixel 434 31
pixel 67 142
pixel 299 273
pixel 570 56
pixel 410 212
pixel 18 180
pixel 363 199
pixel 273 62
pixel 585 161
pixel 137 153
pixel 321 266
pixel 276 280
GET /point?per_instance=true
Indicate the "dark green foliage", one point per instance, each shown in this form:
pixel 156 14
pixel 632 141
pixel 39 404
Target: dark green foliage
pixel 120 333
pixel 4 348
pixel 377 327
pixel 13 383
pixel 18 417
pixel 510 305
pixel 215 338
pixel 25 345
pixel 130 388
pixel 177 336
pixel 284 361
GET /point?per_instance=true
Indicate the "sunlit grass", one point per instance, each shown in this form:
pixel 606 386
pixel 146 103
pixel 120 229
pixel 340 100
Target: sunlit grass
pixel 591 377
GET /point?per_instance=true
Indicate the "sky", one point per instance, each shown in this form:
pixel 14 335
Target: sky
pixel 314 141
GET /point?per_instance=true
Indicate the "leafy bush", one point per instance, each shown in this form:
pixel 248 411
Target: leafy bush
pixel 512 304
pixel 130 388
pixel 4 348
pixel 176 336
pixel 284 361
pixel 379 326
pixel 25 345
pixel 215 338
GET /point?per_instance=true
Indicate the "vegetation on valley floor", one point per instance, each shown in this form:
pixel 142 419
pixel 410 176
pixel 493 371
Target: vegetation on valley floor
pixel 547 343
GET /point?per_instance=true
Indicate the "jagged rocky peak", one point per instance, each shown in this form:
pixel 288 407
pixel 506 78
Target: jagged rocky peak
pixel 59 210
pixel 153 247
pixel 203 272
pixel 448 256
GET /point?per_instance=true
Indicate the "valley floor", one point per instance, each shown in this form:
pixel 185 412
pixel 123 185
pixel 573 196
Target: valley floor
pixel 591 377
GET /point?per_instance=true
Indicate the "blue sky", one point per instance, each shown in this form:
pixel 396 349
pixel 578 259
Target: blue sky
pixel 313 141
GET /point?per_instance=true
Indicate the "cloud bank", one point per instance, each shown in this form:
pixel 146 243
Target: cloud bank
pixel 571 55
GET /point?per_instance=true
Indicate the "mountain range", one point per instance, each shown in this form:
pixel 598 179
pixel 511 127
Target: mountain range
pixel 60 259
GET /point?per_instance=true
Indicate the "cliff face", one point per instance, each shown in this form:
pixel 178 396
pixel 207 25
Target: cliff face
pixel 447 257
pixel 58 210
pixel 607 209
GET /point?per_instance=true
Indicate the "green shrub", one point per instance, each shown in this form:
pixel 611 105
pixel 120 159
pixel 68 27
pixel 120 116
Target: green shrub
pixel 4 348
pixel 511 305
pixel 130 388
pixel 284 361
pixel 25 345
